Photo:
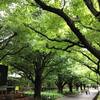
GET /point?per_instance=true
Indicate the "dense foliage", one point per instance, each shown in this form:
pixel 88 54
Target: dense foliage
pixel 53 41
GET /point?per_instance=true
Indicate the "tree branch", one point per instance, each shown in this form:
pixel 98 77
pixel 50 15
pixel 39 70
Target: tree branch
pixel 97 70
pixel 12 53
pixel 58 40
pixel 25 71
pixel 98 44
pixel 93 80
pixel 90 28
pixel 72 26
pixel 5 41
pixel 63 3
pixel 90 67
pixel 98 66
pixel 99 3
pixel 47 73
pixel 86 56
pixel 25 58
pixel 90 6
pixel 63 49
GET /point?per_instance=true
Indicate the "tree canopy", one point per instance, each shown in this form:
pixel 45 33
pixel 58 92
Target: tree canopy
pixel 51 37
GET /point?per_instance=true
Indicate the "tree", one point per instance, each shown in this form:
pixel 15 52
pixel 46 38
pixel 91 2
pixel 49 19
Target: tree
pixel 36 66
pixel 74 19
pixel 83 41
pixel 25 20
pixel 60 82
pixel 66 74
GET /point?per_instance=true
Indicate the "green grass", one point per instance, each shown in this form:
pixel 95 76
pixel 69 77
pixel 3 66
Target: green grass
pixel 98 98
pixel 47 95
pixel 52 94
pixel 66 92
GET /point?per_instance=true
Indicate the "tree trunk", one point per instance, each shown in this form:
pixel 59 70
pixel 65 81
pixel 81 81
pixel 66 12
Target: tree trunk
pixel 60 89
pixel 84 86
pixel 70 87
pixel 59 83
pixel 77 87
pixel 38 84
pixel 81 87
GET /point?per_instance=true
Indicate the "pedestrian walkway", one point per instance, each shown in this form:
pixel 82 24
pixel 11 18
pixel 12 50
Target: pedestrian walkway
pixel 81 96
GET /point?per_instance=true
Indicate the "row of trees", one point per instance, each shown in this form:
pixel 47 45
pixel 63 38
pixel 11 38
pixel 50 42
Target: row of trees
pixel 30 38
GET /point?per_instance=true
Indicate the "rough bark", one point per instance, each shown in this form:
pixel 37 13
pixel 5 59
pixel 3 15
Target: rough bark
pixel 38 83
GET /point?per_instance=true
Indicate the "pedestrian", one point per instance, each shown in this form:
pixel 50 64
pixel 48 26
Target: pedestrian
pixel 87 91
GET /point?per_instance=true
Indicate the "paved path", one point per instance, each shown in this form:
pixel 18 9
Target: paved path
pixel 81 96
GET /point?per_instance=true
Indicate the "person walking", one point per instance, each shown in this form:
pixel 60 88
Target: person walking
pixel 87 91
